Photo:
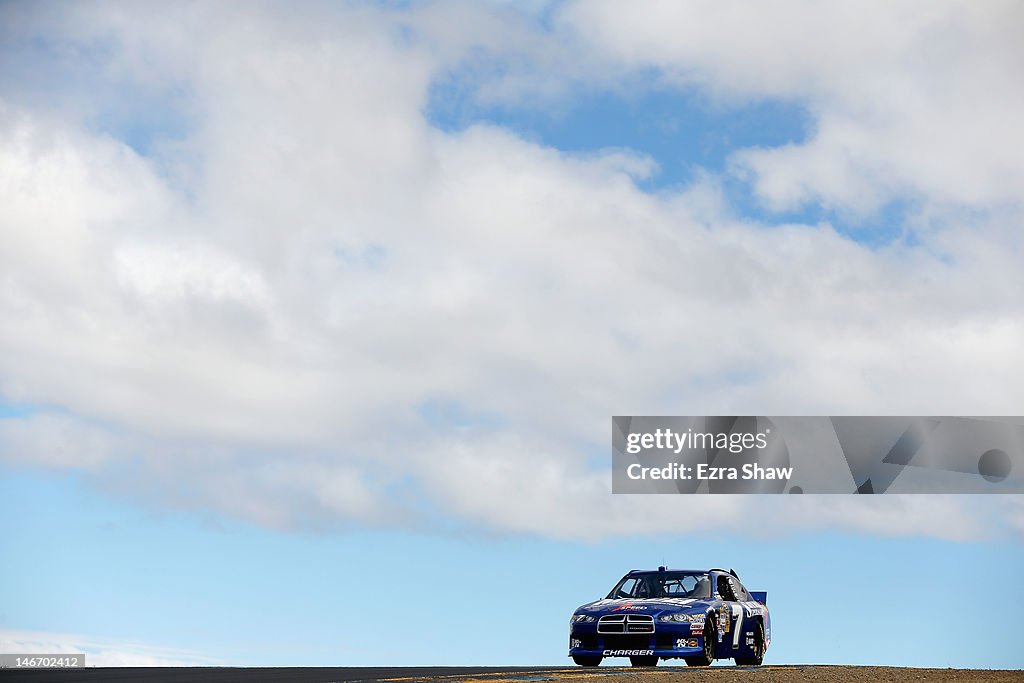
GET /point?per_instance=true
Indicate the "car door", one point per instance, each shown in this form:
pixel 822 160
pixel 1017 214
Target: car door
pixel 743 604
pixel 730 614
pixel 726 615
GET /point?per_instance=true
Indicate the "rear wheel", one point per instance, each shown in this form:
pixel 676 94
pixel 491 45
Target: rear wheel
pixel 757 656
pixel 644 661
pixel 708 654
pixel 587 661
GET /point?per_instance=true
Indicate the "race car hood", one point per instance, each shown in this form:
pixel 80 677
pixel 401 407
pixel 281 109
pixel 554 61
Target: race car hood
pixel 655 607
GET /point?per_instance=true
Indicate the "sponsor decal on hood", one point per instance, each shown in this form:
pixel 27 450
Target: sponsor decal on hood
pixel 642 603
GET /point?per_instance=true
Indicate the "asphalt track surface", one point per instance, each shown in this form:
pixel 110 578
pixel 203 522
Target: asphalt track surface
pixel 665 674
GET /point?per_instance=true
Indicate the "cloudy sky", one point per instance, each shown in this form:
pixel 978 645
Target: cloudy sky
pixel 296 297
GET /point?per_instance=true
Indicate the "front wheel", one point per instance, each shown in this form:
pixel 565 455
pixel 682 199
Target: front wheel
pixel 707 655
pixel 757 656
pixel 586 661
pixel 643 661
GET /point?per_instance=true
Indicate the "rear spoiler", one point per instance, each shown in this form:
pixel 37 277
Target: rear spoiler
pixel 760 596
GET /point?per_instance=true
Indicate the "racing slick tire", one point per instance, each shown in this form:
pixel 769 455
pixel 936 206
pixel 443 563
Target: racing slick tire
pixel 708 655
pixel 758 655
pixel 582 660
pixel 644 660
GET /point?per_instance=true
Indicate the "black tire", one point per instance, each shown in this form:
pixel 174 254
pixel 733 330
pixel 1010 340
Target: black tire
pixel 644 661
pixel 758 656
pixel 587 660
pixel 709 640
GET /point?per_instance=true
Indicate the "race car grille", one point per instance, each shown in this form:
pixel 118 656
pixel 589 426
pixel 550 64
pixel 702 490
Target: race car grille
pixel 624 642
pixel 626 623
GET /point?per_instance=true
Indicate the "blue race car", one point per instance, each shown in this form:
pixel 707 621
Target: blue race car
pixel 697 615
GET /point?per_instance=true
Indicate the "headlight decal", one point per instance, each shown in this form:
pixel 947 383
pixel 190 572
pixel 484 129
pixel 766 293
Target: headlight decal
pixel 682 617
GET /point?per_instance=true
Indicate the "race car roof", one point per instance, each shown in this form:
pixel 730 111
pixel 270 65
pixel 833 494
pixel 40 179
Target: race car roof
pixel 660 571
pixel 685 571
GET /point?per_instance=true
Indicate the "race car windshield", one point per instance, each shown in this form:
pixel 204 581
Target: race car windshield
pixel 663 585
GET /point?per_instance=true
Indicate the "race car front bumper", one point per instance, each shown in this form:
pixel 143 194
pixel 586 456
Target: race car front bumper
pixel 668 641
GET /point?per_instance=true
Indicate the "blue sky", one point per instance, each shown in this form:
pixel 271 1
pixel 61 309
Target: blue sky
pixel 240 594
pixel 313 321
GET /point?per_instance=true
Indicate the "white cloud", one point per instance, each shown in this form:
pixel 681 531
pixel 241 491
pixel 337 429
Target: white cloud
pixel 907 101
pixel 261 326
pixel 59 441
pixel 159 275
